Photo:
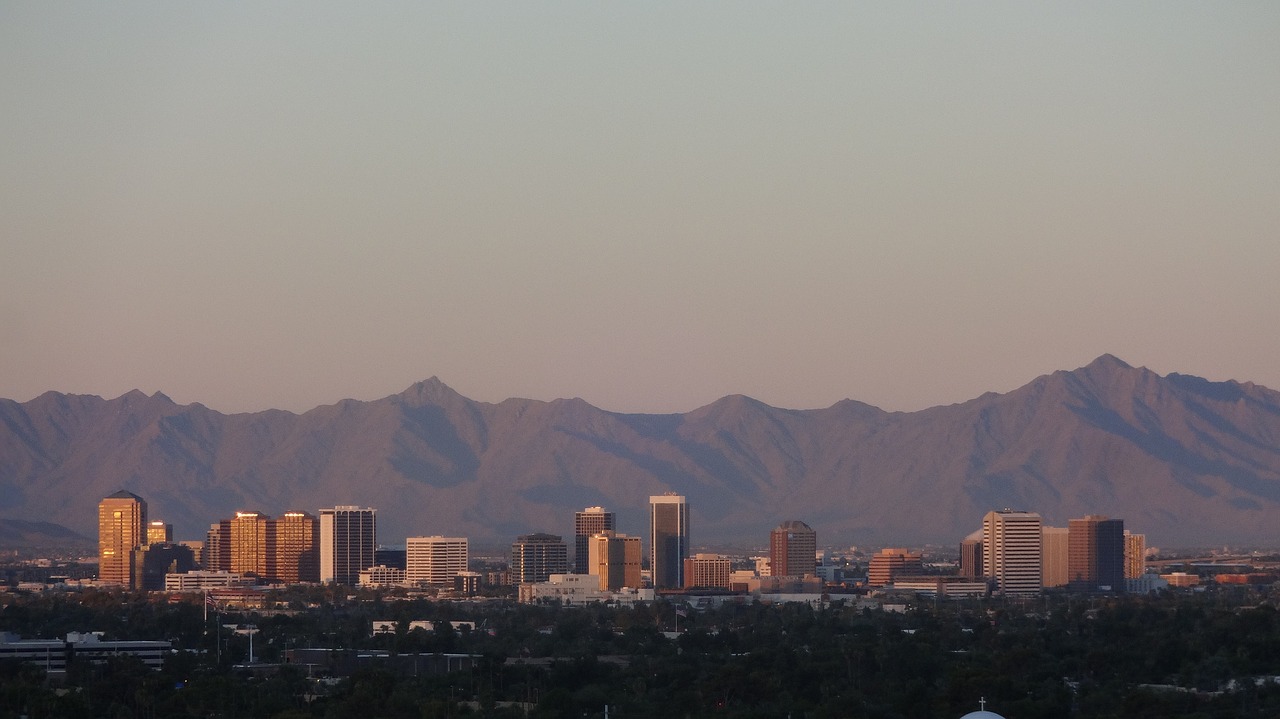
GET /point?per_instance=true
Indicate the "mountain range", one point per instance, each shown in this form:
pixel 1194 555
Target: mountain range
pixel 1179 458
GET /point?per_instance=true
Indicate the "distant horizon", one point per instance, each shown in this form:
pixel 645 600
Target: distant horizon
pixel 621 411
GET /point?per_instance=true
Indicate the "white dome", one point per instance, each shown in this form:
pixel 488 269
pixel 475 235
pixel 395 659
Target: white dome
pixel 982 715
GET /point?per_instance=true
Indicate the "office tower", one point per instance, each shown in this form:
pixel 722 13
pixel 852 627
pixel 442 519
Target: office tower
pixel 393 557
pixel 668 540
pixel 1053 572
pixel 587 523
pixel 121 518
pixel 615 558
pixel 891 563
pixel 434 560
pixel 348 538
pixel 159 533
pixel 217 548
pixel 971 556
pixel 535 557
pixel 1095 560
pixel 1011 551
pixel 251 551
pixel 297 548
pixel 707 571
pixel 793 550
pixel 1135 555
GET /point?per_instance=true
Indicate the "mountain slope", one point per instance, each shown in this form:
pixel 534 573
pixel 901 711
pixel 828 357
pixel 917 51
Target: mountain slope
pixel 1185 460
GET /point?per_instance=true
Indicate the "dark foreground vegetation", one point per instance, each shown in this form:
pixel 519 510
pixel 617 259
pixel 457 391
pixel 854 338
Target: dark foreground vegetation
pixel 1206 655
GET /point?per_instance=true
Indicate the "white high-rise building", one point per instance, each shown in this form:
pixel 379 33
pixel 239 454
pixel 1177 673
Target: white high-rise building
pixel 348 537
pixel 1012 545
pixel 434 560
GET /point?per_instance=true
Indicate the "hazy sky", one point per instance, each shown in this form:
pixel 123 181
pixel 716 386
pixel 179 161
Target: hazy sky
pixel 646 205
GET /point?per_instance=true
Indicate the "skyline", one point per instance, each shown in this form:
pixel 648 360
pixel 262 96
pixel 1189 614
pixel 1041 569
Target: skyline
pixel 646 207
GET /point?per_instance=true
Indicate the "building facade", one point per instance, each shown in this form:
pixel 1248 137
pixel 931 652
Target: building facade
pixel 535 557
pixel 434 560
pixel 1135 555
pixel 1095 559
pixel 891 563
pixel 615 559
pixel 1055 553
pixel 707 571
pixel 668 540
pixel 159 532
pixel 793 549
pixel 348 539
pixel 121 521
pixel 971 557
pixel 586 524
pixel 1012 543
pixel 297 547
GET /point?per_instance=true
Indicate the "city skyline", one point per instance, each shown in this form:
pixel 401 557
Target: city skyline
pixel 648 207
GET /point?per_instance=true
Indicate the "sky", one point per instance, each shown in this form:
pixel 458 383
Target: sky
pixel 645 205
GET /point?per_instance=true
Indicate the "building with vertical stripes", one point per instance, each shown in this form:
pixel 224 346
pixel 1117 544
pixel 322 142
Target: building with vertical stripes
pixel 1012 543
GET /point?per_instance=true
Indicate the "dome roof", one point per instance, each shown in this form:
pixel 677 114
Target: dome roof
pixel 982 715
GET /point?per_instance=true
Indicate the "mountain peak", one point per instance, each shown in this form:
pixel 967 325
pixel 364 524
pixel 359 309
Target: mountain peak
pixel 1108 362
pixel 429 391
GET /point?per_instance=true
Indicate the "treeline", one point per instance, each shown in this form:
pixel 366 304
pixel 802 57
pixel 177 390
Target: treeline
pixel 1204 655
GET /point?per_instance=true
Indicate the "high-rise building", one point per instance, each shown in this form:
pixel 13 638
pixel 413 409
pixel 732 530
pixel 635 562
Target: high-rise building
pixel 434 560
pixel 1095 560
pixel 793 549
pixel 158 532
pixel 297 547
pixel 1135 555
pixel 586 524
pixel 891 563
pixel 152 562
pixel 1054 542
pixel 668 540
pixel 707 571
pixel 535 557
pixel 971 556
pixel 251 547
pixel 348 538
pixel 615 558
pixel 121 518
pixel 217 547
pixel 1011 551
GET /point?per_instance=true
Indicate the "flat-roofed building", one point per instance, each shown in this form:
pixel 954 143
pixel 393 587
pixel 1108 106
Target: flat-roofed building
pixel 668 539
pixel 1096 554
pixel 586 524
pixel 1055 550
pixel 251 546
pixel 435 560
pixel 892 562
pixel 348 539
pixel 615 559
pixel 1135 555
pixel 535 557
pixel 1012 543
pixel 707 571
pixel 297 548
pixel 159 532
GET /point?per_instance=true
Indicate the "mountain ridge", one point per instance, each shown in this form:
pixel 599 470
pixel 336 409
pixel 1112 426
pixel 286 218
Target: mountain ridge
pixel 1186 460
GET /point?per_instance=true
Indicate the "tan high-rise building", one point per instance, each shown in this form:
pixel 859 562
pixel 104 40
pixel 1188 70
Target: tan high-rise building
pixel 297 548
pixel 707 571
pixel 121 519
pixel 434 560
pixel 252 549
pixel 971 556
pixel 1135 555
pixel 1011 551
pixel 586 524
pixel 793 549
pixel 890 563
pixel 159 532
pixel 615 558
pixel 1054 565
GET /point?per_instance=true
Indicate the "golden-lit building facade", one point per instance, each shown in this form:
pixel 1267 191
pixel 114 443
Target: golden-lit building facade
pixel 121 518
pixel 297 548
pixel 1135 555
pixel 615 558
pixel 707 571
pixel 250 544
pixel 159 532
